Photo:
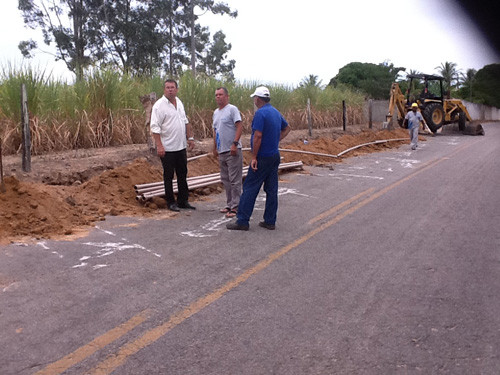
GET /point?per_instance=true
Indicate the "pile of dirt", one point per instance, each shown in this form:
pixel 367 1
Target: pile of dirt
pixel 334 146
pixel 32 209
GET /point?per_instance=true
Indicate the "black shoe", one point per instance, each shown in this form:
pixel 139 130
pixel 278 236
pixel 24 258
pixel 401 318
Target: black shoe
pixel 186 206
pixel 173 207
pixel 236 226
pixel 263 224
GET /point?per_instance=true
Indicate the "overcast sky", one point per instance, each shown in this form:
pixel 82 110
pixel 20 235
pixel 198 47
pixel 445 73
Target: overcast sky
pixel 282 41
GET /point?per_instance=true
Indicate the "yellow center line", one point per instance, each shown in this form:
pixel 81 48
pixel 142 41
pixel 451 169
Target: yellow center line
pixel 339 206
pixel 98 343
pixel 115 360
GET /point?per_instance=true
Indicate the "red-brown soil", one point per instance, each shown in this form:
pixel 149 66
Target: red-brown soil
pixel 67 193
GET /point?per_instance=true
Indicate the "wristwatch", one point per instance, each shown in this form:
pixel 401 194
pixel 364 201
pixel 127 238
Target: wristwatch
pixel 191 139
pixel 236 143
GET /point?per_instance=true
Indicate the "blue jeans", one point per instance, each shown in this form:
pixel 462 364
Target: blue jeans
pixel 267 174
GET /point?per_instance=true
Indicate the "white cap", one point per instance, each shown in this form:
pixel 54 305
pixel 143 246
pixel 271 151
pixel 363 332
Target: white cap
pixel 261 92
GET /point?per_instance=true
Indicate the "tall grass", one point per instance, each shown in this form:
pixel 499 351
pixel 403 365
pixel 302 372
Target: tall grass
pixel 104 108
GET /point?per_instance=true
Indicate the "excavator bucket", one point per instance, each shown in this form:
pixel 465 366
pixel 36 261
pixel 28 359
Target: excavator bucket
pixel 474 129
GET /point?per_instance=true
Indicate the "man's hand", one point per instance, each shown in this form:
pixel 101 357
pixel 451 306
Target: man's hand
pixel 159 146
pixel 234 150
pixel 190 145
pixel 160 150
pixel 253 164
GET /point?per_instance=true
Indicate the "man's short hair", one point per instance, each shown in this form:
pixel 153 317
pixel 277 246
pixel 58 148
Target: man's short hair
pixel 223 89
pixel 171 81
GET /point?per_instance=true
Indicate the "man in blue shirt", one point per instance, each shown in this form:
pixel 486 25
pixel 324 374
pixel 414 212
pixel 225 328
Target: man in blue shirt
pixel 268 129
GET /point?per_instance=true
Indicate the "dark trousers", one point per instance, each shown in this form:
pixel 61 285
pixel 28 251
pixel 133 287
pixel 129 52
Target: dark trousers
pixel 175 161
pixel 267 174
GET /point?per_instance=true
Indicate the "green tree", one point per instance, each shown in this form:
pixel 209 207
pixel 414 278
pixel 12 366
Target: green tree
pixel 133 36
pixel 448 70
pixel 466 84
pixel 204 6
pixel 169 16
pixel 215 56
pixel 311 81
pixel 487 85
pixel 374 79
pixel 125 37
pixel 70 34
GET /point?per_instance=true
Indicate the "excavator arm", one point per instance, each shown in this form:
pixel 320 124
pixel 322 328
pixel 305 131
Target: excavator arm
pixel 397 100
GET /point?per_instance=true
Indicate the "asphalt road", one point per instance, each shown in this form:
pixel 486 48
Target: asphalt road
pixel 388 263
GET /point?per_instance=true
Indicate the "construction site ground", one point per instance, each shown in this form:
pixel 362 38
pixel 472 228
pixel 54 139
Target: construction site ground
pixel 66 193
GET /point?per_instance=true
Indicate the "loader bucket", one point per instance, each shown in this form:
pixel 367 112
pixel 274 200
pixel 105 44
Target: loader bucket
pixel 474 129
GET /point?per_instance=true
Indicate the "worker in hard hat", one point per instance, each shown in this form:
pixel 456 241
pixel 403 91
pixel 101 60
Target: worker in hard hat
pixel 414 118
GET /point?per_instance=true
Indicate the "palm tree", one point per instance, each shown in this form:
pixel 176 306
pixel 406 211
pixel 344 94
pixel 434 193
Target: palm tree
pixel 311 81
pixel 467 79
pixel 449 72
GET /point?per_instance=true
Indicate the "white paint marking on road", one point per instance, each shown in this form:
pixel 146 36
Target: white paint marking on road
pixel 212 227
pixel 285 191
pixel 408 163
pixel 207 230
pixel 355 175
pixel 389 170
pixel 97 266
pixel 43 244
pixel 11 286
pixel 105 231
pixel 109 248
pixel 105 254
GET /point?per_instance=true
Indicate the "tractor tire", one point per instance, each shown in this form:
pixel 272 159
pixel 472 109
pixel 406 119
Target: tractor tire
pixel 434 116
pixel 461 121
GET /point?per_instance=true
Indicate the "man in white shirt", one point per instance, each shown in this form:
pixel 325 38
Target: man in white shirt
pixel 170 128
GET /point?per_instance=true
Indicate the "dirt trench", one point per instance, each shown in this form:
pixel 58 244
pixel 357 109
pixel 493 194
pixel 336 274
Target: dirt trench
pixel 67 193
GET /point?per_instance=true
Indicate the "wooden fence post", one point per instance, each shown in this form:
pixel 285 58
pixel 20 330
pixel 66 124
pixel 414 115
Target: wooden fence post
pixel 147 102
pixel 309 117
pixel 344 117
pixel 2 184
pixel 26 134
pixel 370 113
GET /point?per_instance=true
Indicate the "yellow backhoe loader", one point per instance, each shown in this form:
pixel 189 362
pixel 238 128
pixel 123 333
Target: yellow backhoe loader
pixel 435 108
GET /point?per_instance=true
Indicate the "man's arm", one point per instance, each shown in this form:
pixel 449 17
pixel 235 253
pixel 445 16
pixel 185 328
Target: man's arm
pixel 190 136
pixel 257 140
pixel 284 132
pixel 237 136
pixel 215 143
